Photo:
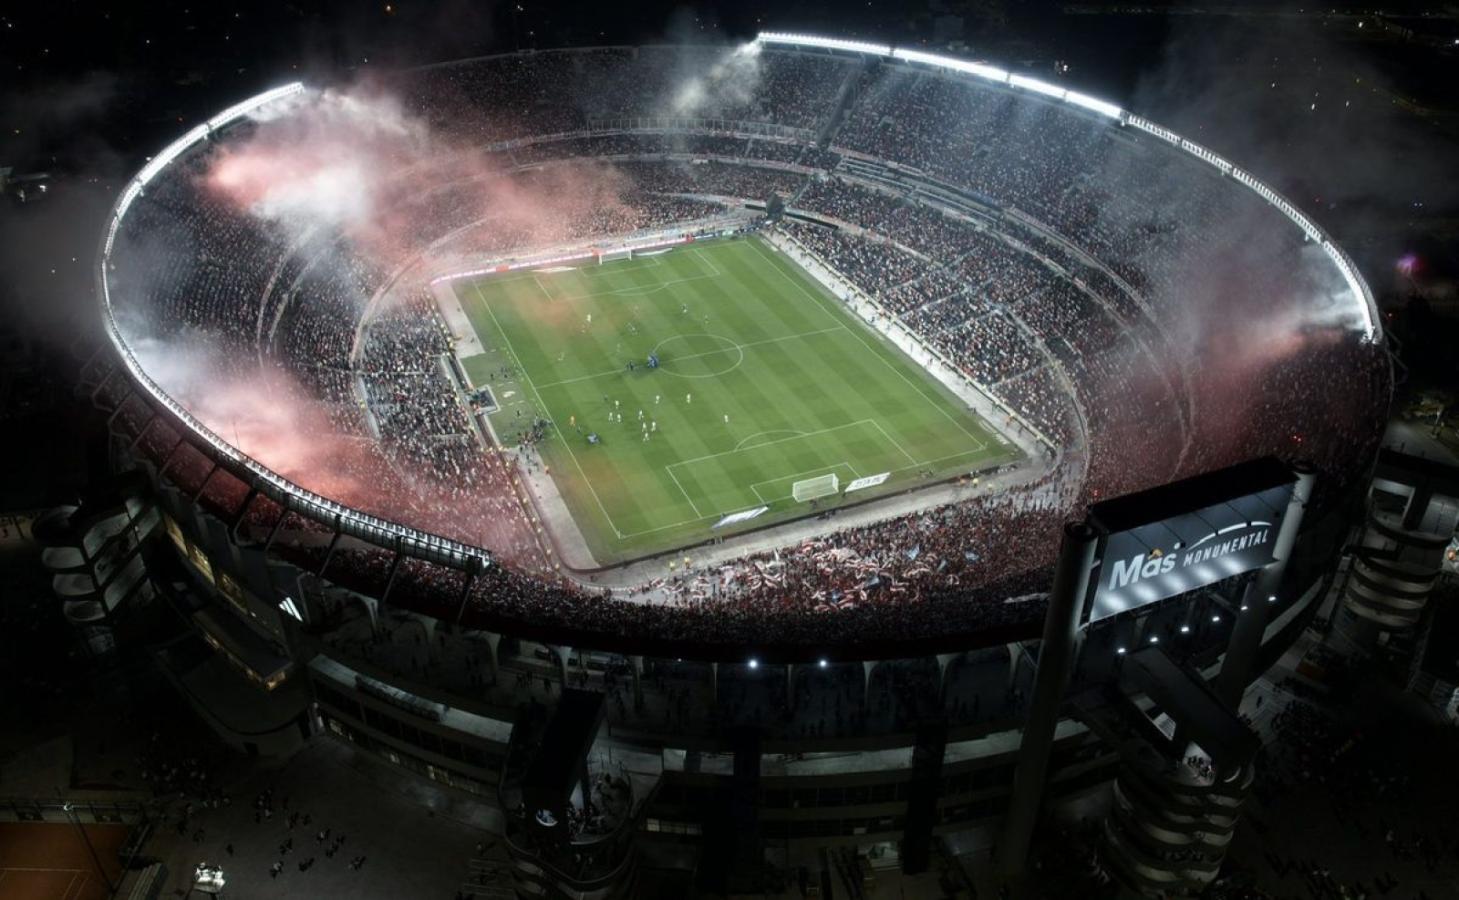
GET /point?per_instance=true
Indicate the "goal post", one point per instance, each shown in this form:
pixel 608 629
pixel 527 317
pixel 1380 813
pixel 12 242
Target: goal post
pixel 815 488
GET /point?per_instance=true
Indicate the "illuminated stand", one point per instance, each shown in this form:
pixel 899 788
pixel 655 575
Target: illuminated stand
pixel 1357 289
pixel 1170 822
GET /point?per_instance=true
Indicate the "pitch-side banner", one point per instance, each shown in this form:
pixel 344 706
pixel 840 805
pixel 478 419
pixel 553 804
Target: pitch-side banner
pixel 743 515
pixel 1145 562
pixel 868 481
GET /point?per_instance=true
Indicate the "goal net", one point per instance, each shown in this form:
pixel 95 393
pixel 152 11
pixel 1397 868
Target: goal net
pixel 815 488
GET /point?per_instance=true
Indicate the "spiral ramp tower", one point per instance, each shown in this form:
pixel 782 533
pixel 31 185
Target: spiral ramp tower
pixel 1186 768
pixel 1413 508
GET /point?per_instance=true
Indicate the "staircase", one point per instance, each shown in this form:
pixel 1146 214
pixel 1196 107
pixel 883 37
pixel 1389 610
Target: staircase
pixel 489 874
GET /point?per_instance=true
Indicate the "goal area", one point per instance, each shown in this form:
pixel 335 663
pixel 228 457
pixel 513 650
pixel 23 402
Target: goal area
pixel 815 488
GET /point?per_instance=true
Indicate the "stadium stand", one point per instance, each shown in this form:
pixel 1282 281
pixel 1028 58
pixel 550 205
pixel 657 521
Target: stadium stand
pixel 1036 248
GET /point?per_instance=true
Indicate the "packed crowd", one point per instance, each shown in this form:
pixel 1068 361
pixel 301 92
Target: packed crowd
pixel 550 92
pixel 1078 325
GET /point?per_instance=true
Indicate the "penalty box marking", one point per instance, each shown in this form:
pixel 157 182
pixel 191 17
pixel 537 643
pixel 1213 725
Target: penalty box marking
pixel 822 470
pixel 594 270
pixel 685 522
pixel 692 505
pixel 799 437
pixel 713 272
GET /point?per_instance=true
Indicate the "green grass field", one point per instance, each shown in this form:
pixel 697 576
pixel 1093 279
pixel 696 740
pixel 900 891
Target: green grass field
pixel 741 332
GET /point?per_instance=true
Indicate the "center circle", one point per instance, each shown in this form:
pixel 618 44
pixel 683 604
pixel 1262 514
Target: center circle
pixel 699 355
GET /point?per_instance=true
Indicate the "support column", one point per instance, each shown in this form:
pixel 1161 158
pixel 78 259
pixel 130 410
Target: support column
pixel 493 640
pixel 943 661
pixel 329 553
pixel 430 626
pixel 1251 622
pixel 714 683
pixel 562 657
pixel 1015 656
pixel 790 686
pixel 1137 633
pixel 1056 658
pixel 204 485
pixel 242 515
pixel 142 432
pixel 374 610
pixel 171 458
pixel 636 662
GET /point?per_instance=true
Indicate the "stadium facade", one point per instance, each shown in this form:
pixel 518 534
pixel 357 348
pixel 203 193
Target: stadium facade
pixel 760 728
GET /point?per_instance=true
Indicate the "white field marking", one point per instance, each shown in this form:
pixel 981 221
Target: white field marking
pixel 742 347
pixel 631 291
pixel 628 292
pixel 526 379
pixel 704 518
pixel 825 470
pixel 790 431
pixel 933 463
pixel 66 895
pixel 685 462
pixel 937 406
pixel 794 437
pixel 634 534
pixel 910 458
pixel 593 270
pixel 733 347
pixel 692 505
pixel 524 274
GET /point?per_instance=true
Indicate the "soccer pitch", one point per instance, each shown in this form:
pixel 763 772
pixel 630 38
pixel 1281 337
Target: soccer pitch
pixel 765 379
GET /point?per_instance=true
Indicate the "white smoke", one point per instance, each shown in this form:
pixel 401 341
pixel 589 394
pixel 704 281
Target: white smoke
pixel 321 162
pixel 728 83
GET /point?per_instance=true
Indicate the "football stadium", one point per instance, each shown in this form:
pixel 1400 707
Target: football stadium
pixel 790 344
pixel 807 413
